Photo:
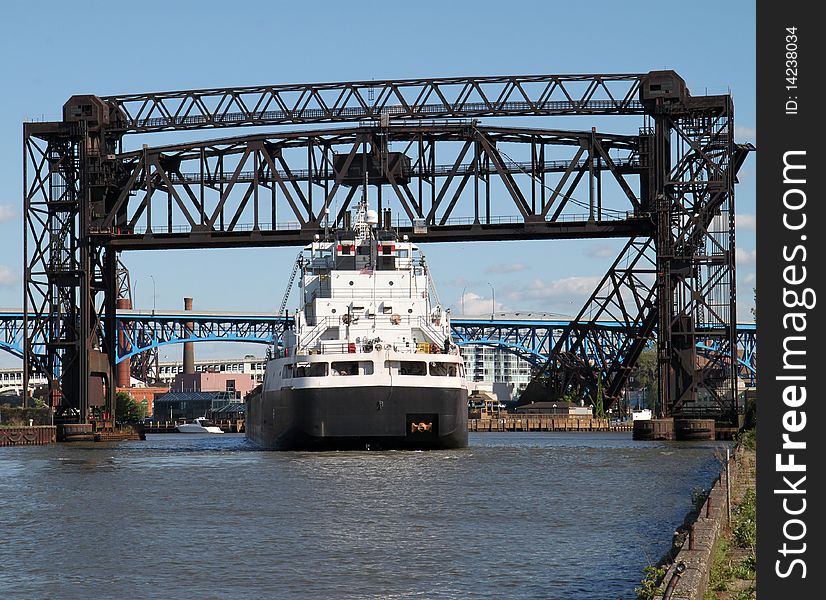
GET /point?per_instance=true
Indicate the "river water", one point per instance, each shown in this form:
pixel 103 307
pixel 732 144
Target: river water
pixel 515 515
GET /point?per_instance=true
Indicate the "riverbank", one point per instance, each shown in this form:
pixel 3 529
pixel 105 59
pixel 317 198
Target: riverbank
pixel 520 423
pixel 41 435
pixel 734 561
pixel 714 556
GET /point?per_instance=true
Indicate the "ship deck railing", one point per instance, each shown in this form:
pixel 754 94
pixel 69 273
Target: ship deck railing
pixel 429 327
pixel 362 294
pixel 360 348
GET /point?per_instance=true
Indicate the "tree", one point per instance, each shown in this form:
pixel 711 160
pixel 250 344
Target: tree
pixel 599 407
pixel 127 410
pixel 645 376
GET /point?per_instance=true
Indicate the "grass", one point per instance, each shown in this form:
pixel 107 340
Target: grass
pixel 745 521
pixel 729 565
pixel 720 573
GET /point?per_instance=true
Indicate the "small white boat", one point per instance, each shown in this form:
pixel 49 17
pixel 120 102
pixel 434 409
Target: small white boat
pixel 199 425
pixel 643 414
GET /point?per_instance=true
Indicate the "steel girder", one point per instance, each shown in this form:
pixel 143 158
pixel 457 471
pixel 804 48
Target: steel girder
pixel 684 288
pixel 531 339
pixel 534 341
pixel 142 332
pixel 285 188
pixel 747 352
pixel 431 98
pixel 626 298
pixel 696 258
pixel 12 337
pixel 70 281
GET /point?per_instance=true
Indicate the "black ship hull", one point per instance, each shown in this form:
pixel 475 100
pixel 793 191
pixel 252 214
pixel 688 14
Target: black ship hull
pixel 358 418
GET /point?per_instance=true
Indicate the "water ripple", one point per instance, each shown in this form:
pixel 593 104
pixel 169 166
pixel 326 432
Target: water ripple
pixel 513 516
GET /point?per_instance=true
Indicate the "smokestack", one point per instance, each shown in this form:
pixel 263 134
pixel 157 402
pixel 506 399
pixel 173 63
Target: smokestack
pixel 123 370
pixel 189 347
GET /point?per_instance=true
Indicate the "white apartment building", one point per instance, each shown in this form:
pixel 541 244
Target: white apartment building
pixel 11 380
pixel 491 365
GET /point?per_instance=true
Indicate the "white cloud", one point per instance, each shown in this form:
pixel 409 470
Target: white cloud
pixel 559 289
pixel 8 278
pixel 560 296
pixel 7 213
pixel 745 257
pixel 744 134
pixel 474 304
pixel 600 251
pixel 745 222
pixel 506 268
pixel 750 278
pixel 458 281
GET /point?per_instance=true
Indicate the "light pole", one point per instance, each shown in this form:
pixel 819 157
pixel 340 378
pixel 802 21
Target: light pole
pixel 463 300
pixel 493 301
pixel 153 293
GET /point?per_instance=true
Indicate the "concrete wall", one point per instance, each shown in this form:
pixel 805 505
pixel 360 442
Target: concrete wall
pixel 697 551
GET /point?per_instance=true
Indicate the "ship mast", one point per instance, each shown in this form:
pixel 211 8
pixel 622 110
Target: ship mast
pixel 362 227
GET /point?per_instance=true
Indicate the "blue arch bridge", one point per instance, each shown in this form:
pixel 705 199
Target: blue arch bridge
pixel 531 336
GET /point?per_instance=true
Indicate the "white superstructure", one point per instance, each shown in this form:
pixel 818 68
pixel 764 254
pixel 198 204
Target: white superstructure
pixel 369 360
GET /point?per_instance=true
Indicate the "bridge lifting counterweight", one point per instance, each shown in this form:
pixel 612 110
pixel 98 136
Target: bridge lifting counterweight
pixel 667 187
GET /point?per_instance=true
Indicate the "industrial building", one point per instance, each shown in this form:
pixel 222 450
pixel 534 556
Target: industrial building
pixel 177 406
pixel 249 364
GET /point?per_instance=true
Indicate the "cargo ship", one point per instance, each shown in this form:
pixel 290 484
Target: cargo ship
pixel 368 362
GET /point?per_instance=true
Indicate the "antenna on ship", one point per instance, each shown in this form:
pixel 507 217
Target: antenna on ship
pixel 365 218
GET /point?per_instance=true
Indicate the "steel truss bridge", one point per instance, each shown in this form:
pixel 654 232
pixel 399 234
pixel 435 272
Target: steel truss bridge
pixel 530 338
pixel 94 188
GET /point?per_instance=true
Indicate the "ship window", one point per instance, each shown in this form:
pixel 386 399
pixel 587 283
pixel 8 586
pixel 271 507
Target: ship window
pixel 441 369
pixel 401 253
pixel 288 372
pixel 314 369
pixel 409 367
pixel 353 367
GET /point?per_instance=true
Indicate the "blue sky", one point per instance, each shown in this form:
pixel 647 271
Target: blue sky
pixel 52 50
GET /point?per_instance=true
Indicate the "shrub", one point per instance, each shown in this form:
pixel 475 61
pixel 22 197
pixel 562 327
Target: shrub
pixel 650 584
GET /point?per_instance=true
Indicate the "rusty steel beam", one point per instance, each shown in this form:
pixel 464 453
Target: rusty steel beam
pixel 424 98
pixel 261 187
